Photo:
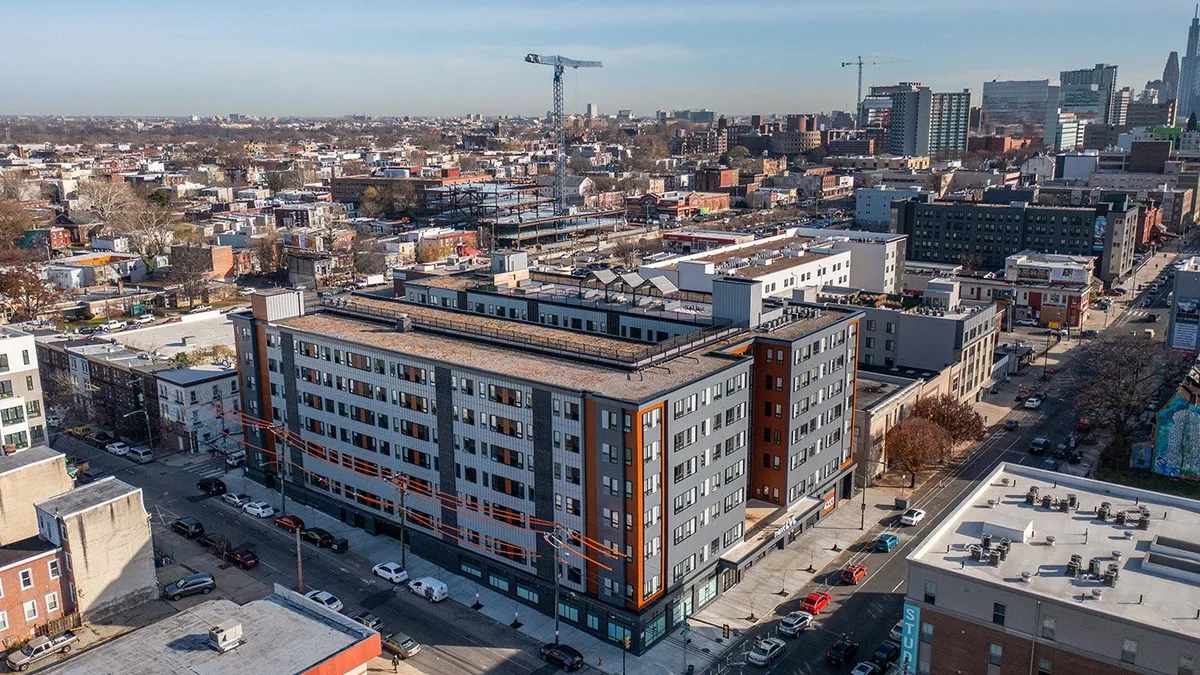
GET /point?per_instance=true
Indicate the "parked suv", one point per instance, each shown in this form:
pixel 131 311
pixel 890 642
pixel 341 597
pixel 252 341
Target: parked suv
pixel 190 585
pixel 188 527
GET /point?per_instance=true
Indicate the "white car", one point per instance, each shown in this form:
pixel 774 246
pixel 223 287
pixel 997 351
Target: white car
pixel 912 517
pixel 259 509
pixel 236 500
pixel 199 308
pixel 1034 402
pixel 766 652
pixel 145 319
pixel 866 668
pixel 118 448
pixel 325 598
pixel 1032 323
pixel 391 571
pixel 897 631
pixel 795 622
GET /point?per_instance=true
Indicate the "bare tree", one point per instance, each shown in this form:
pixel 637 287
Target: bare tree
pixel 25 292
pixel 150 229
pixel 370 255
pixel 270 251
pixel 916 444
pixel 109 200
pixel 957 417
pixel 14 221
pixel 429 250
pixel 628 252
pixel 189 267
pixel 1117 378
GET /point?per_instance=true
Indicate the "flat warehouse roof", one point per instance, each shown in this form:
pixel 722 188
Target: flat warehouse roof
pixel 1157 565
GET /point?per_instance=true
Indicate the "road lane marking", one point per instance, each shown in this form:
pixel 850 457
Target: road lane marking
pixel 899 585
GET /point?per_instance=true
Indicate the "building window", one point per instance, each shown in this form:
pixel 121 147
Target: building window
pixel 995 654
pixel 1129 651
pixel 998 613
pixel 930 593
pixel 26 579
pixel 31 610
pixel 470 569
pixel 1049 624
pixel 593 622
pixel 498 582
pixel 3 621
pixel 568 612
pixel 53 566
pixel 527 594
pixel 927 633
pixel 51 603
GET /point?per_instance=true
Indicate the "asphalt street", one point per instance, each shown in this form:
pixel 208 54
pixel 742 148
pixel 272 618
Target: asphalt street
pixel 455 640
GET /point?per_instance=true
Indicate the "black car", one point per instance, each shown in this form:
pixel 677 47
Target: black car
pixel 212 486
pixel 318 536
pixel 841 653
pixel 190 585
pixel 885 654
pixel 564 655
pixel 188 527
pixel 85 477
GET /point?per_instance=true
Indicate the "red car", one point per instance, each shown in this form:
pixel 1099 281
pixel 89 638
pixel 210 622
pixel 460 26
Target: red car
pixel 853 573
pixel 243 556
pixel 815 602
pixel 289 523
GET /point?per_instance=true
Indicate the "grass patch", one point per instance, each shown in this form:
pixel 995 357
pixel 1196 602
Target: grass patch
pixel 1146 480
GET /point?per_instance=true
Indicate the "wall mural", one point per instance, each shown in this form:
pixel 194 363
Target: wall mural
pixel 1177 443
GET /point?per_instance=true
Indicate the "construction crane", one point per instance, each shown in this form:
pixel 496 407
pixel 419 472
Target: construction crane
pixel 860 63
pixel 560 64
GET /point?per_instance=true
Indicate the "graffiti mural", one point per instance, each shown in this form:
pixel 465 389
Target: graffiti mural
pixel 1177 443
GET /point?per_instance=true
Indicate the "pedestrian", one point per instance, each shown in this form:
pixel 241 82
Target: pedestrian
pixel 396 663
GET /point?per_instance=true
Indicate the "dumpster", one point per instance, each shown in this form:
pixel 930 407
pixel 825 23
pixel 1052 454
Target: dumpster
pixel 340 545
pixel 901 504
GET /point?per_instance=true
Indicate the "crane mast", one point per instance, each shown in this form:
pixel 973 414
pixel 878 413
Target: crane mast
pixel 560 64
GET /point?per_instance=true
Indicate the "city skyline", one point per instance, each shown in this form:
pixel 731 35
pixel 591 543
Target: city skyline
pixel 363 58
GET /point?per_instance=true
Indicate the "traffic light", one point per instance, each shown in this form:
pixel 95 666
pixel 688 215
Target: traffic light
pixel 626 642
pixel 725 631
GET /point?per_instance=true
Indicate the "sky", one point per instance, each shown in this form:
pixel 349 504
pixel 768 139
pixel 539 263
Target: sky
pixel 407 57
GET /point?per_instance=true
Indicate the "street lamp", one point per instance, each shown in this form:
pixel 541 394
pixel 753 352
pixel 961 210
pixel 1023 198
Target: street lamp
pixel 149 436
pixel 556 543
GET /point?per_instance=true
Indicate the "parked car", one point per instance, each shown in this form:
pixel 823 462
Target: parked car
pixel 39 648
pixel 400 644
pixel 853 574
pixel 1039 445
pixel 202 583
pixel 200 308
pixel 1050 464
pixel 88 476
pixel 912 517
pixel 325 598
pixel 289 522
pixel 369 620
pixel 235 459
pixel 212 486
pixel 188 527
pixel 866 668
pixel 145 319
pixel 118 448
pixel 794 623
pixel 391 571
pixel 1034 402
pixel 841 653
pixel 886 653
pixel 236 499
pixel 1011 425
pixel 1091 333
pixel 317 536
pixel 886 542
pixel 766 651
pixel 141 454
pixel 566 656
pixel 259 509
pixel 433 589
pixel 815 602
pixel 243 556
pixel 897 631
pixel 1027 322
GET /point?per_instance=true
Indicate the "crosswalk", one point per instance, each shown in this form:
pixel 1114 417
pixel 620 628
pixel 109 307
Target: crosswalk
pixel 211 469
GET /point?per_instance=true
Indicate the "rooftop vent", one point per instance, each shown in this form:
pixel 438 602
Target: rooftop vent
pixel 1097 593
pixel 226 636
pixel 1026 576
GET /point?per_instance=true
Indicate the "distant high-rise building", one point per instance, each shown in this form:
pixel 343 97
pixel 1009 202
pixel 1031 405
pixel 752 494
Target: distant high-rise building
pixel 1090 93
pixel 592 111
pixel 1147 114
pixel 1121 106
pixel 1189 70
pixel 925 123
pixel 1170 76
pixel 1014 102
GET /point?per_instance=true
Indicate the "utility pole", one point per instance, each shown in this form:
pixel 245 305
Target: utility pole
pixel 555 541
pixel 402 488
pixel 299 564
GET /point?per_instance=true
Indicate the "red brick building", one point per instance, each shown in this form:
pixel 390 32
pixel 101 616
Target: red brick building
pixel 675 204
pixel 716 179
pixel 33 588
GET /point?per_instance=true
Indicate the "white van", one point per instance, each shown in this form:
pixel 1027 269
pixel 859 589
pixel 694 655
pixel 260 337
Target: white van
pixel 432 589
pixel 140 454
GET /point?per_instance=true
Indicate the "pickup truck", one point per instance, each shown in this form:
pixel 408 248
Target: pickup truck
pixel 39 648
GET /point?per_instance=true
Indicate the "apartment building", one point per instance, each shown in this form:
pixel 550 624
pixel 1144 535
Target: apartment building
pixel 986 234
pixel 873 205
pixel 936 333
pixel 192 402
pixel 619 414
pixel 1044 572
pixel 22 422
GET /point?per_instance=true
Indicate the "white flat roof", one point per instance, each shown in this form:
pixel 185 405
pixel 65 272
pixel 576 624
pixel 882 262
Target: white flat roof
pixel 1158 581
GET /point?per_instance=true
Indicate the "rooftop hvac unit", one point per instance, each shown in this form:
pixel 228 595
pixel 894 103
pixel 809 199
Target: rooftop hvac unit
pixel 226 635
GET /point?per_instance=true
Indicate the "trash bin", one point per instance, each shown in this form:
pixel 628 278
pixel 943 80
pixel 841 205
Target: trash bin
pixel 901 504
pixel 340 545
